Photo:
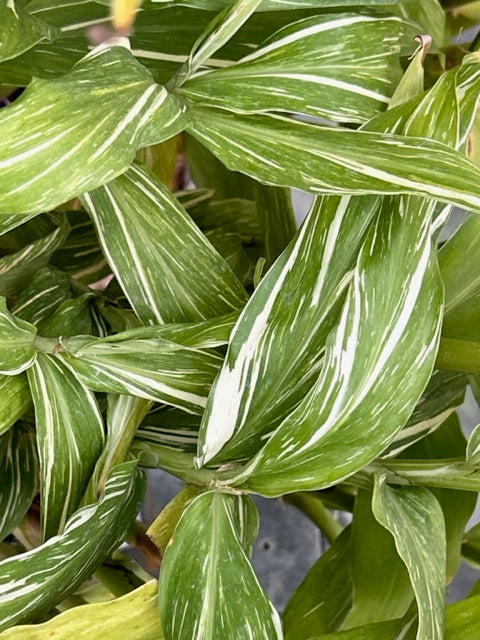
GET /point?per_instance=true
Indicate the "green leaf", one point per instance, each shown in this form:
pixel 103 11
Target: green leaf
pixel 218 32
pixel 277 218
pixel 322 601
pixel 37 580
pixel 318 159
pixel 85 128
pixel 340 426
pixel 154 369
pixel 17 338
pixel 411 84
pixel 136 611
pixel 415 519
pixel 69 435
pixel 294 70
pixel 214 592
pixel 15 399
pixel 48 288
pixel 72 317
pixel 278 5
pixel 124 415
pixel 158 255
pixel 444 393
pixel 18 461
pixel 19 31
pixel 448 441
pixel 381 585
pixel 172 428
pixel 281 319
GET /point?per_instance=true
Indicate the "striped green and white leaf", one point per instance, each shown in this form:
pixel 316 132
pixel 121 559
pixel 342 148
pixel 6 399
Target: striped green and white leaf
pixel 323 599
pixel 341 67
pixel 172 428
pixel 415 519
pixel 381 585
pixel 136 611
pixel 279 5
pixel 444 393
pixel 124 415
pixel 48 288
pixel 317 159
pixel 20 31
pixel 214 592
pixel 84 129
pixel 72 317
pixel 18 268
pixel 340 425
pixel 18 461
pixel 70 438
pixel 17 337
pixel 155 369
pixel 37 580
pixel 280 336
pixel 158 254
pixel 15 399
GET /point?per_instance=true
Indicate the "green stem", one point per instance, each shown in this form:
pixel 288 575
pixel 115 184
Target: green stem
pixel 314 508
pixel 447 474
pixel 459 355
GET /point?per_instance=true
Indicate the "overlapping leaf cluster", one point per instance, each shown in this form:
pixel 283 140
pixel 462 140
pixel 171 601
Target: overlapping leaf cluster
pixel 144 323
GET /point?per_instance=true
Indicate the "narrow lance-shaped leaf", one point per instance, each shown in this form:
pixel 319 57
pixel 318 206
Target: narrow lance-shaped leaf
pixel 414 518
pixel 280 335
pixel 20 31
pixel 214 592
pixel 18 268
pixel 318 159
pixel 18 460
pixel 37 580
pixel 340 426
pixel 69 436
pixel 15 399
pixel 17 350
pixel 277 5
pixel 43 295
pixel 157 370
pixel 295 70
pixel 158 254
pixel 136 611
pixel 113 107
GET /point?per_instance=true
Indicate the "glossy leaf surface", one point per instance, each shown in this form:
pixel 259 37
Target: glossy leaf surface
pixel 17 337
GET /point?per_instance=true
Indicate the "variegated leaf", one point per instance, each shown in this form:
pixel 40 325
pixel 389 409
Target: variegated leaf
pixel 214 592
pixel 295 71
pixel 288 152
pixel 20 31
pixel 278 5
pixel 340 425
pixel 40 299
pixel 37 580
pixel 136 611
pixel 18 461
pixel 113 107
pixel 15 399
pixel 158 254
pixel 18 268
pixel 124 415
pixel 69 436
pixel 158 370
pixel 17 349
pixel 415 519
pixel 280 336
pixel 170 427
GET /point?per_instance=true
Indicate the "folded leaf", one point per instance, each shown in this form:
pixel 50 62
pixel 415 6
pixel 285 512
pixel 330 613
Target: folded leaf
pixel 136 611
pixel 17 350
pixel 20 31
pixel 158 254
pixel 294 71
pixel 154 369
pixel 15 399
pixel 37 580
pixel 287 152
pixel 18 461
pixel 84 129
pixel 214 593
pixel 69 436
pixel 415 519
pixel 280 336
